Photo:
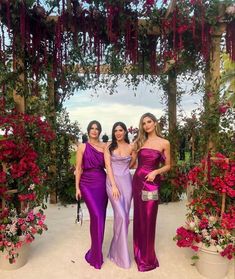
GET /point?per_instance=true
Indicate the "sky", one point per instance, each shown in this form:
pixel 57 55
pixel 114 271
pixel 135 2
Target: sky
pixel 126 105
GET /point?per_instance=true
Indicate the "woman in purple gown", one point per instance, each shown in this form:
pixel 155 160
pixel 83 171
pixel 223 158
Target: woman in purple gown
pixel 152 150
pixel 91 186
pixel 119 190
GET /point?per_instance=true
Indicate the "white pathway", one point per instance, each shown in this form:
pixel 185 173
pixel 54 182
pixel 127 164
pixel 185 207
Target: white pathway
pixel 59 253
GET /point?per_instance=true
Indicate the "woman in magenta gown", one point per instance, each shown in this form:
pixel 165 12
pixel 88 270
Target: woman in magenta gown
pixel 91 186
pixel 153 159
pixel 119 190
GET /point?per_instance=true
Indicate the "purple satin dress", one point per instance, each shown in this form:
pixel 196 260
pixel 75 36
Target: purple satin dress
pixel 145 212
pixel 93 190
pixel 118 251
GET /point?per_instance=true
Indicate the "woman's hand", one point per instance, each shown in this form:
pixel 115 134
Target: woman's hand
pixel 115 192
pixel 78 194
pixel 151 176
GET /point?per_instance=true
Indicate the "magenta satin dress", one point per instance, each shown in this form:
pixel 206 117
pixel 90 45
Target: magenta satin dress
pixel 118 251
pixel 93 190
pixel 145 212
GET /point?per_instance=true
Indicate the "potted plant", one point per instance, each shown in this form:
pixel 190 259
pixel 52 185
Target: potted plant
pixel 22 182
pixel 210 218
pixel 16 230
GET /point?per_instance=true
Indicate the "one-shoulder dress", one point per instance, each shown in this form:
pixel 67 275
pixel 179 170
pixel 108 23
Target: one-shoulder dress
pixel 93 190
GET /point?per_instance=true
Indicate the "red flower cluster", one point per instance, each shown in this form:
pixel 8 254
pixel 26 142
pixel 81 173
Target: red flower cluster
pixel 3 177
pixel 223 108
pixel 196 175
pixel 27 197
pixel 220 175
pixel 203 223
pixel 20 167
pixel 228 252
pixel 186 238
pixel 228 219
pixel 204 205
pixel 224 181
pixel 18 124
pixel 180 180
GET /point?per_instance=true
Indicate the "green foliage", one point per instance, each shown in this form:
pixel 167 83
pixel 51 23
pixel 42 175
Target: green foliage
pixel 67 135
pixel 166 191
pixel 228 79
pixel 226 135
pixel 73 158
pixel 66 186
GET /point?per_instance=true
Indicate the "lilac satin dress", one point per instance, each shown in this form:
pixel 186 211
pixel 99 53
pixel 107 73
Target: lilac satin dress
pixel 118 252
pixel 145 212
pixel 93 190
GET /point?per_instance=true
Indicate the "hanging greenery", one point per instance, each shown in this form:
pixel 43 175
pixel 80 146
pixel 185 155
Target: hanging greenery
pixel 141 33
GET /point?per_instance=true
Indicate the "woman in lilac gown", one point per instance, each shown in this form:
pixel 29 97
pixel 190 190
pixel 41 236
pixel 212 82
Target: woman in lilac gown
pixel 91 186
pixel 119 190
pixel 152 150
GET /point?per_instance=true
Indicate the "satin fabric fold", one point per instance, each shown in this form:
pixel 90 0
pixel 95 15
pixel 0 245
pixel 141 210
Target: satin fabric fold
pixel 93 190
pixel 118 251
pixel 145 212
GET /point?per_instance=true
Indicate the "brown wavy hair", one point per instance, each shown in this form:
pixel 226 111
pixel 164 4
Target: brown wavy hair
pixel 97 123
pixel 142 135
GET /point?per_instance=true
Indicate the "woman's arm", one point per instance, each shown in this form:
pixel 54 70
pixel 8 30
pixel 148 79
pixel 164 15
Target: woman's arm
pixel 107 159
pixel 78 170
pixel 167 165
pixel 133 162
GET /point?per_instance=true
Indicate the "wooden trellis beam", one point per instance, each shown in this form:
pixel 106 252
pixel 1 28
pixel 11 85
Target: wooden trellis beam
pixel 142 23
pixel 105 69
pixel 212 76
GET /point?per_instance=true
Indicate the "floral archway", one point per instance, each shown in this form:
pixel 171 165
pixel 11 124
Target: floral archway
pixel 48 50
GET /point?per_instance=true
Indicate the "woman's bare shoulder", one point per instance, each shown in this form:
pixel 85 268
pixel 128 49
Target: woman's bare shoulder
pixel 107 145
pixel 166 141
pixel 165 144
pixel 104 145
pixel 132 147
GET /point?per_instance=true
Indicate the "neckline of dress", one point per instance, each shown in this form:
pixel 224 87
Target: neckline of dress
pixel 95 148
pixel 151 149
pixel 115 155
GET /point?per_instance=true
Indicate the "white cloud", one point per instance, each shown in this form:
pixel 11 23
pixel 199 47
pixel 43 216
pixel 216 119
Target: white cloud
pixel 108 114
pixel 126 105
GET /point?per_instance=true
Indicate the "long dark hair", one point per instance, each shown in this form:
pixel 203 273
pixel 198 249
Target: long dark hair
pixel 113 144
pixel 97 123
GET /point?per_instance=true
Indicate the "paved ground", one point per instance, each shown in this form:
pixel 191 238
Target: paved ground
pixel 59 253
